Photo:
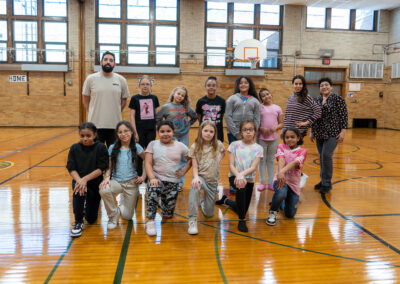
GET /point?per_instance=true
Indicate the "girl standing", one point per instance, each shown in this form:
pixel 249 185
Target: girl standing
pixel 178 111
pixel 162 167
pixel 301 110
pixel 206 154
pixel 86 162
pixel 121 175
pixel 212 107
pixel 271 120
pixel 244 156
pixel 291 159
pixel 242 106
pixel 143 115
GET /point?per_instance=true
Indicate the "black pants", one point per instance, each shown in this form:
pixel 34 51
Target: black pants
pixel 106 136
pixel 86 205
pixel 243 198
pixel 145 137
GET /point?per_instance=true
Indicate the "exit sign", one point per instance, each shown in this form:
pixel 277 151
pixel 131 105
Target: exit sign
pixel 326 61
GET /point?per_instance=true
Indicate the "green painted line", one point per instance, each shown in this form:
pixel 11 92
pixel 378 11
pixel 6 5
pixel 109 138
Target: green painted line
pixel 216 246
pixel 124 251
pixel 306 250
pixel 58 262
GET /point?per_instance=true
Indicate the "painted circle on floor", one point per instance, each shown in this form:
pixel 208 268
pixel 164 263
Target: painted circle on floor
pixel 5 165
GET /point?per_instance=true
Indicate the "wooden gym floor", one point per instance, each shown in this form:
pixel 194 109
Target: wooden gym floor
pixel 351 235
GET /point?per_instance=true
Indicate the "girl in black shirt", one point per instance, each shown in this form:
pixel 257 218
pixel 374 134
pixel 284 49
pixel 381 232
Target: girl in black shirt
pixel 86 162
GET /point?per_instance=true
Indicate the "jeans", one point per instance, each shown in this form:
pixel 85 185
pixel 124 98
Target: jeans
pixel 88 204
pixel 268 160
pixel 185 140
pixel 208 201
pixel 325 150
pixel 287 195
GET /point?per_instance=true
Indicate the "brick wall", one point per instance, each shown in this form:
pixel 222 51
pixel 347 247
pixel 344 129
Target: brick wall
pixel 48 105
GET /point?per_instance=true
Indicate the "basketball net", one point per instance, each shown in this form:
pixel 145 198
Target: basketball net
pixel 253 61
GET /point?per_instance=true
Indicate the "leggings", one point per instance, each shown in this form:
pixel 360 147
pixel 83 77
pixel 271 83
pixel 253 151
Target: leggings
pixel 243 198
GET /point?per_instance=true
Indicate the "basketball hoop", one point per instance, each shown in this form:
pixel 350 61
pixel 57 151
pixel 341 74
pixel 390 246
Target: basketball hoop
pixel 253 61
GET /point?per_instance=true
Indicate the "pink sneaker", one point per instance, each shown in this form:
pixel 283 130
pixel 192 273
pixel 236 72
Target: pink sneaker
pixel 271 187
pixel 261 187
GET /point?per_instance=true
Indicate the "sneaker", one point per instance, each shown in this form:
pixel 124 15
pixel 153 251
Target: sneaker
pixel 318 186
pixel 242 226
pixel 151 228
pixel 303 180
pixel 261 187
pixel 325 189
pixel 222 200
pixel 113 221
pixel 271 220
pixel 76 230
pixel 193 226
pixel 271 187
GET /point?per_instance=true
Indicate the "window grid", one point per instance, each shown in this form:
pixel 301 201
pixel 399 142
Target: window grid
pixel 32 50
pixel 354 22
pixel 214 53
pixel 141 54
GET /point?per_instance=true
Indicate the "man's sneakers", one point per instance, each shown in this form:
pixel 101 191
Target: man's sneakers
pixel 151 228
pixel 77 229
pixel 113 221
pixel 192 230
pixel 271 220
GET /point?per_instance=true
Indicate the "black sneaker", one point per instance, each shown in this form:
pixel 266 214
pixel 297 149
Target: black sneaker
pixel 221 201
pixel 242 226
pixel 76 230
pixel 325 189
pixel 318 185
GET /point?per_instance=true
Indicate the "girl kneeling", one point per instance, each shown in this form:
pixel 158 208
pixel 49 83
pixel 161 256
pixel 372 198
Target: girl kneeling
pixel 162 167
pixel 206 154
pixel 122 169
pixel 291 159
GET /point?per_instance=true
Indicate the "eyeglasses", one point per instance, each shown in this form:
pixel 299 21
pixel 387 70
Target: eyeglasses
pixel 248 129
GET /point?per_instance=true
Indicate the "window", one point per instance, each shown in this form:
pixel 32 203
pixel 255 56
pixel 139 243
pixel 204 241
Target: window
pixel 312 76
pixel 344 19
pixel 39 31
pixel 139 32
pixel 227 24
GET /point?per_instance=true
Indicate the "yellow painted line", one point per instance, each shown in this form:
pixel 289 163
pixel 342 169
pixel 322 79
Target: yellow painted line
pixel 5 165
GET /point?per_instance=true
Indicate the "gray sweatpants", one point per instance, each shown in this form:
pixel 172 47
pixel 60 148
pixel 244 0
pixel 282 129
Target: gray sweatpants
pixel 268 160
pixel 208 202
pixel 129 194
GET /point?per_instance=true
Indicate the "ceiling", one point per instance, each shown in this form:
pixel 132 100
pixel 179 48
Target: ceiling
pixel 345 4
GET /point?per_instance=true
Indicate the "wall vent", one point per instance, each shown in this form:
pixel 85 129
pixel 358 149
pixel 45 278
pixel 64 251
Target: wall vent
pixel 396 70
pixel 370 70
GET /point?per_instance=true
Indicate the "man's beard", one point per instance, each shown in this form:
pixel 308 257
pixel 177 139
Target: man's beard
pixel 107 68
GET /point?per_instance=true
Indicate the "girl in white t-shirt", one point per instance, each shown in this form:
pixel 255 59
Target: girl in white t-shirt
pixel 271 120
pixel 291 159
pixel 206 154
pixel 121 177
pixel 162 167
pixel 244 156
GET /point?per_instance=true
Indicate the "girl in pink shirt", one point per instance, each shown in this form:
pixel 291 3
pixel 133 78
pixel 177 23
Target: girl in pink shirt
pixel 271 118
pixel 291 159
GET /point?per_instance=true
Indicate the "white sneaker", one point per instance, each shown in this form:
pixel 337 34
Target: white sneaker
pixel 193 226
pixel 113 221
pixel 271 220
pixel 151 228
pixel 303 180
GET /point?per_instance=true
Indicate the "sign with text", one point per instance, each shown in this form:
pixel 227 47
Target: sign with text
pixel 17 78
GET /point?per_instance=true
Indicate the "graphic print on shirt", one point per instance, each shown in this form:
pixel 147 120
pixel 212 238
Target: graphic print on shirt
pixel 146 109
pixel 212 113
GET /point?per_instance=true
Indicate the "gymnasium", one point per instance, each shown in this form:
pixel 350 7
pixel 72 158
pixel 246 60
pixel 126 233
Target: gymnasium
pixel 48 48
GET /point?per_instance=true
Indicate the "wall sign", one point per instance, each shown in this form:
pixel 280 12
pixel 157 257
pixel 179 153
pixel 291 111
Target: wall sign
pixel 17 78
